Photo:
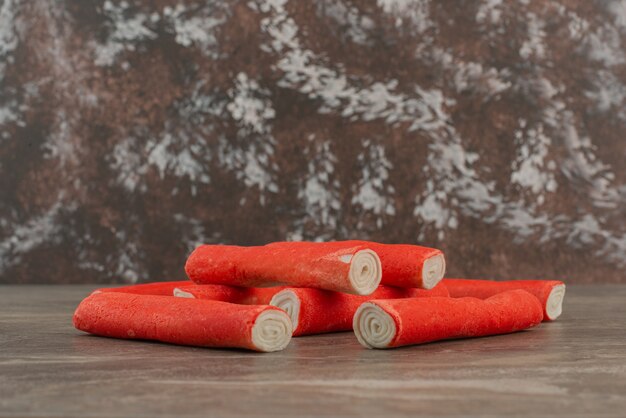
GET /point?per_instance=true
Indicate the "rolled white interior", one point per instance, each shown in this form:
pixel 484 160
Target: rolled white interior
pixel 554 304
pixel 289 302
pixel 433 270
pixel 271 331
pixel 373 327
pixel 365 272
pixel 179 293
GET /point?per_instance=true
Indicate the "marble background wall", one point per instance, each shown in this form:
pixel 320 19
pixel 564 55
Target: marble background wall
pixel 130 131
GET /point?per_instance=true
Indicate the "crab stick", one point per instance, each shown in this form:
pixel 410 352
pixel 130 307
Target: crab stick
pixel 315 311
pixel 352 268
pixel 183 321
pixel 399 322
pixel 405 265
pixel 156 288
pixel 549 292
pixel 231 294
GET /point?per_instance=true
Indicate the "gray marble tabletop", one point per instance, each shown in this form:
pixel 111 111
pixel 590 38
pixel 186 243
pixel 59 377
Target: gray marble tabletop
pixel 575 366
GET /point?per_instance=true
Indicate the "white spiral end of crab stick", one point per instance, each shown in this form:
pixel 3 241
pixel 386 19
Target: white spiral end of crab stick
pixel 365 272
pixel 554 304
pixel 271 331
pixel 433 270
pixel 374 328
pixel 179 293
pixel 289 302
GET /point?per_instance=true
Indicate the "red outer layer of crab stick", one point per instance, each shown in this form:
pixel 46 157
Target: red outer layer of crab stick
pixel 231 294
pixel 352 269
pixel 315 311
pixel 549 292
pixel 399 322
pixel 182 321
pixel 407 265
pixel 156 288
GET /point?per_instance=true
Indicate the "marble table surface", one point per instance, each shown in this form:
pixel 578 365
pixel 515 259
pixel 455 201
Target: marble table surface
pixel 573 367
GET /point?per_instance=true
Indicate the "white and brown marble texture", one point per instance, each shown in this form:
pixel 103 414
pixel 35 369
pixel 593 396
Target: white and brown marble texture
pixel 130 131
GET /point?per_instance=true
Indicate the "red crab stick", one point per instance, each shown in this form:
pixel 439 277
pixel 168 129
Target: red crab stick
pixel 315 311
pixel 399 322
pixel 353 269
pixel 231 294
pixel 407 265
pixel 157 288
pixel 184 321
pixel 549 292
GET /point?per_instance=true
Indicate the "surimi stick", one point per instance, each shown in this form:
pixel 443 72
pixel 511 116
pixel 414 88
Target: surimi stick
pixel 315 311
pixel 156 288
pixel 183 321
pixel 549 292
pixel 352 269
pixel 399 322
pixel 407 265
pixel 231 294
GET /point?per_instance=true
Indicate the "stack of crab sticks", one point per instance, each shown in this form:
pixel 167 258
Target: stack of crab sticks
pixel 257 298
